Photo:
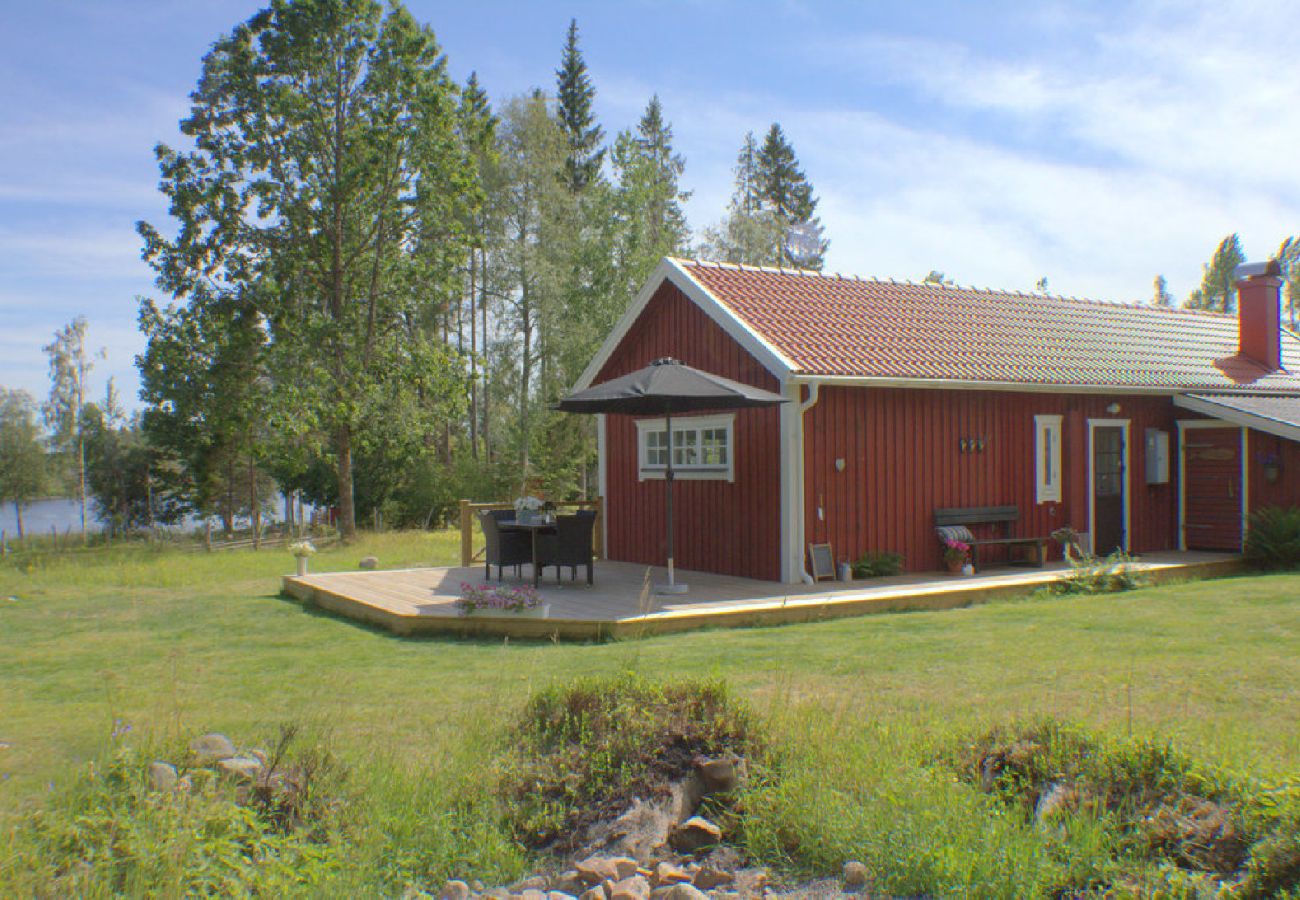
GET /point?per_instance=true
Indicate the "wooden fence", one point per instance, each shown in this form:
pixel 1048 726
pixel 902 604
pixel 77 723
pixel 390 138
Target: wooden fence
pixel 469 530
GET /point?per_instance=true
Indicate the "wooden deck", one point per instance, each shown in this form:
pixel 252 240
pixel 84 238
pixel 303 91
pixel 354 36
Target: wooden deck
pixel 622 602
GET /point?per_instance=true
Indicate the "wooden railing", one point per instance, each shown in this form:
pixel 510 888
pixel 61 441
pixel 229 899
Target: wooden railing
pixel 469 528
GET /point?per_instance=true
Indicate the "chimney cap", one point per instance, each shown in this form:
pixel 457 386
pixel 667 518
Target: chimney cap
pixel 1256 269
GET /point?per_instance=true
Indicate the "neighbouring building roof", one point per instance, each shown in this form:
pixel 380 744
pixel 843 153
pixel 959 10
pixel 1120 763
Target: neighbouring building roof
pixel 830 325
pixel 1269 413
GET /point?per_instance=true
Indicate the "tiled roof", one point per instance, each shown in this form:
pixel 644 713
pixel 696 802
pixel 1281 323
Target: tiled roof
pixel 834 325
pixel 1280 410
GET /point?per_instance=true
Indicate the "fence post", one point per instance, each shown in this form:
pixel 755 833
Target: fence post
pixel 598 532
pixel 466 536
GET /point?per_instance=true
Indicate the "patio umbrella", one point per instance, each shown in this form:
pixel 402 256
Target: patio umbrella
pixel 663 388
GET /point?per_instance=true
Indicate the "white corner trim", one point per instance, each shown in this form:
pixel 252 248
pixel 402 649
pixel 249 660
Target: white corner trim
pixel 670 269
pixel 1094 424
pixel 602 479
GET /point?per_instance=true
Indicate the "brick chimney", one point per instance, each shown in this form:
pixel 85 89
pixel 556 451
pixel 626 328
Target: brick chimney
pixel 1259 313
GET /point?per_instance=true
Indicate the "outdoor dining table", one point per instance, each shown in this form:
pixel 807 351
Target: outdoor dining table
pixel 535 528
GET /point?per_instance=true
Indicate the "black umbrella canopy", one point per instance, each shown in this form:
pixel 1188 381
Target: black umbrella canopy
pixel 666 386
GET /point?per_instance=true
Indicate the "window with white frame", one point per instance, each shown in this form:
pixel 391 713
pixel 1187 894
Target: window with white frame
pixel 1047 452
pixel 702 448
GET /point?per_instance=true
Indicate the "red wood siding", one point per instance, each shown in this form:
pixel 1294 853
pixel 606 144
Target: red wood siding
pixel 729 527
pixel 1285 491
pixel 903 460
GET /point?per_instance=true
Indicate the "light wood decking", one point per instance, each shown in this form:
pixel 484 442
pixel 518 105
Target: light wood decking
pixel 622 602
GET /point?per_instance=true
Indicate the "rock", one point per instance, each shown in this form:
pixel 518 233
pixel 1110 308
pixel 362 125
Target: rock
pixel 685 892
pixel 414 893
pixel 694 834
pixel 709 878
pixel 477 886
pixel 559 895
pixel 213 747
pixel 634 888
pixel 624 866
pixel 369 562
pixel 856 875
pixel 162 776
pixel 245 768
pixel 1054 798
pixel 497 894
pixel 569 882
pixel 718 776
pixel 532 883
pixel 598 869
pixel 596 893
pixel 751 882
pixel 185 785
pixel 533 894
pixel 667 873
pixel 454 890
pixel 5 745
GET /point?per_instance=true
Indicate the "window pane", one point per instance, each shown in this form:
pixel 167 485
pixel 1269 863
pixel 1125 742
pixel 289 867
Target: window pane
pixel 656 443
pixel 686 447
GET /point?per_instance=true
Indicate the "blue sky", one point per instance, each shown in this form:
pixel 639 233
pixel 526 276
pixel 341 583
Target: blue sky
pixel 1095 144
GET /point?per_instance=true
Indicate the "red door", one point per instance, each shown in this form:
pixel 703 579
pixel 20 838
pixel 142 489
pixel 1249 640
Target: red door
pixel 1212 488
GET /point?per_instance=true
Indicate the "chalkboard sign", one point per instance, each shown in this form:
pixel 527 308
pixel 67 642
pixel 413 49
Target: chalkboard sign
pixel 823 561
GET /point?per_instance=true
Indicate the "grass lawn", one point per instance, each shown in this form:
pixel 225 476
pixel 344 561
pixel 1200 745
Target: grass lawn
pixel 175 644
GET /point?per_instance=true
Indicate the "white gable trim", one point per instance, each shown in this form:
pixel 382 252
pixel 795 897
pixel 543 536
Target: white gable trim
pixel 670 269
pixel 1288 430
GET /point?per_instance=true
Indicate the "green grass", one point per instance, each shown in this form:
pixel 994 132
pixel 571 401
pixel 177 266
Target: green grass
pixel 180 643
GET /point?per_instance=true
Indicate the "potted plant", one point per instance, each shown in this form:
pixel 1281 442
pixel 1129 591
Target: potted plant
pixel 527 509
pixel 501 600
pixel 302 551
pixel 956 555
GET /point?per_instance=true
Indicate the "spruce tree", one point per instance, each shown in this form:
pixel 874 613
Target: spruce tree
pixel 1160 295
pixel 786 192
pixel 576 93
pixel 652 223
pixel 1218 290
pixel 1288 257
pixel 749 234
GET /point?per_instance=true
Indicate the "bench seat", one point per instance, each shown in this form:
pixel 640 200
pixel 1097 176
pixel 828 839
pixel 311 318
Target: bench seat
pixel 953 523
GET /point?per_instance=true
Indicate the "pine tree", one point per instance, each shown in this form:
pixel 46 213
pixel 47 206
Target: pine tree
pixel 785 191
pixel 576 93
pixel 1160 295
pixel 1288 257
pixel 1218 290
pixel 749 234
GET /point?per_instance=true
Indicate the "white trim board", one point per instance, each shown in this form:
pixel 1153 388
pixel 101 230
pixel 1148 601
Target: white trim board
pixel 1227 414
pixel 1093 424
pixel 720 421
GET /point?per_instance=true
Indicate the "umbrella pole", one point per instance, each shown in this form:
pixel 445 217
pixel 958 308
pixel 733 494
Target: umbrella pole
pixel 672 587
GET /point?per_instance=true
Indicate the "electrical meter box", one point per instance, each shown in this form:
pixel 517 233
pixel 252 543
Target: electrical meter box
pixel 1157 456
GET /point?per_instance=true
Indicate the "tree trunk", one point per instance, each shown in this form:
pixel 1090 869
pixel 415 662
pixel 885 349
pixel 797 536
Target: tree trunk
pixel 254 504
pixel 483 288
pixel 347 512
pixel 18 514
pixel 473 355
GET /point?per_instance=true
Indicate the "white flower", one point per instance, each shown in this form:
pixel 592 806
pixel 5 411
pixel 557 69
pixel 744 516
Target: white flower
pixel 302 549
pixel 530 503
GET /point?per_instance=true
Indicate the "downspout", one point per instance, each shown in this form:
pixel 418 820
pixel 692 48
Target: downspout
pixel 814 390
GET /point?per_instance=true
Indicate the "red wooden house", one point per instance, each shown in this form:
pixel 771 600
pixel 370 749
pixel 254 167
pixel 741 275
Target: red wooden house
pixel 1142 428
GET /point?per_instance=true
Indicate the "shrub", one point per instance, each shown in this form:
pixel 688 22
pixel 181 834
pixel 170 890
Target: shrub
pixel 1094 575
pixel 1273 538
pixel 875 565
pixel 588 749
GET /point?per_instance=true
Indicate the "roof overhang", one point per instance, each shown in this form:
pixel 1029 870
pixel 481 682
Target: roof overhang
pixel 1278 416
pixel 951 384
pixel 671 270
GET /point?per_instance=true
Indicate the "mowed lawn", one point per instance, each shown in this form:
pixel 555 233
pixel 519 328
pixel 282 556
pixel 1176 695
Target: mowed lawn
pixel 174 644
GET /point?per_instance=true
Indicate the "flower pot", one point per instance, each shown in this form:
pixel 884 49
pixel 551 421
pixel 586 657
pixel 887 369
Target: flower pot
pixel 954 566
pixel 302 565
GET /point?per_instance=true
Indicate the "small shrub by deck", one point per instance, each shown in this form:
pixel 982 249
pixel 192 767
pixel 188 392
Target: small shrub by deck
pixel 587 749
pixel 876 565
pixel 1101 575
pixel 1273 538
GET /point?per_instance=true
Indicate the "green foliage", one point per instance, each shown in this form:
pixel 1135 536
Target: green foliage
pixel 1218 290
pixel 23 463
pixel 1106 575
pixel 1273 538
pixel 875 565
pixel 1160 295
pixel 584 136
pixel 588 748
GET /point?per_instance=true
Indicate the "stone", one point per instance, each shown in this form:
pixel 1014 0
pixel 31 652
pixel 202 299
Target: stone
pixel 245 768
pixel 497 893
pixel 559 895
pixel 595 893
pixel 569 882
pixel 685 892
pixel 709 878
pixel 667 873
pixel 694 834
pixel 718 776
pixel 454 890
pixel 532 894
pixel 1055 798
pixel 624 867
pixel 477 886
pixel 856 874
pixel 532 883
pixel 5 745
pixel 751 882
pixel 213 747
pixel 634 888
pixel 597 869
pixel 369 562
pixel 162 776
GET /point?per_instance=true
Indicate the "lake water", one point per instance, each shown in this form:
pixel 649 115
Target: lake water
pixel 65 515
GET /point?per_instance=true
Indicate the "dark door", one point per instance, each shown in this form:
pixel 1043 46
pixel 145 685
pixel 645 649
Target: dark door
pixel 1108 479
pixel 1212 490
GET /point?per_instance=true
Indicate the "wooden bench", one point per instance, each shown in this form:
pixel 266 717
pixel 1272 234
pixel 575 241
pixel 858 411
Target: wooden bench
pixel 959 520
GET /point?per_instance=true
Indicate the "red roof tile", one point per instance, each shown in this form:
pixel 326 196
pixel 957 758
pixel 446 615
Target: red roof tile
pixel 833 325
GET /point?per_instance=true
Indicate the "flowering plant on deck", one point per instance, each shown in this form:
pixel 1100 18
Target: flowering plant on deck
pixel 529 504
pixel 505 598
pixel 302 549
pixel 955 552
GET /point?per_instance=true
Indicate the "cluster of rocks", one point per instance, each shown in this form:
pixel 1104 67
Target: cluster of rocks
pixel 663 849
pixel 278 789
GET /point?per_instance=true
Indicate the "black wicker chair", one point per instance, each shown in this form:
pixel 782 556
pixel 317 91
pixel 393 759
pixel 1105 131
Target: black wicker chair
pixel 504 548
pixel 570 545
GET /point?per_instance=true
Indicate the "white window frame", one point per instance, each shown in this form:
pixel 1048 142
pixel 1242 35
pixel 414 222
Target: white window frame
pixel 682 425
pixel 1047 478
